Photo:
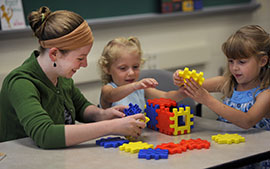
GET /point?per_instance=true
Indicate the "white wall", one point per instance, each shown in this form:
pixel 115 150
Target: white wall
pixel 170 44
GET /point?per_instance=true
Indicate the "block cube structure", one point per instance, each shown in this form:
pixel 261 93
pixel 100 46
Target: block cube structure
pixel 187 74
pixel 169 118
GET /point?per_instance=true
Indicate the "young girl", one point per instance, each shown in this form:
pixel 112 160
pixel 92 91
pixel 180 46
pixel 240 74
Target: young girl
pixel 120 64
pixel 245 84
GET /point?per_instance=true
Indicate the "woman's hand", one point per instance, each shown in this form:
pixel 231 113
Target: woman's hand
pixel 129 126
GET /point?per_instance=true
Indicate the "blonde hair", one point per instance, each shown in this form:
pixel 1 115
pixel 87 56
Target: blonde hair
pixel 50 25
pixel 248 41
pixel 111 53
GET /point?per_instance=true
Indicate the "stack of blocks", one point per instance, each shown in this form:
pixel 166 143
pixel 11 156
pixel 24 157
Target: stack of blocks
pixel 168 118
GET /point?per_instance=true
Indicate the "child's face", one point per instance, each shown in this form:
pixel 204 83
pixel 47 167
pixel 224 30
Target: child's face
pixel 126 69
pixel 245 71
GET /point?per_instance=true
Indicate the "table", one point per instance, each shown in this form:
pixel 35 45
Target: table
pixel 24 154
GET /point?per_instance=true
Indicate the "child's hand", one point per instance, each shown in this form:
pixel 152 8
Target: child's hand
pixel 145 83
pixel 178 81
pixel 196 92
pixel 130 125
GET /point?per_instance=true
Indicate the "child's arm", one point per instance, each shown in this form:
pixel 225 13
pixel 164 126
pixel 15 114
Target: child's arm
pixel 244 120
pixel 179 94
pixel 110 94
pixel 176 95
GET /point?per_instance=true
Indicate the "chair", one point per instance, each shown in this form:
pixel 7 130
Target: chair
pixel 165 80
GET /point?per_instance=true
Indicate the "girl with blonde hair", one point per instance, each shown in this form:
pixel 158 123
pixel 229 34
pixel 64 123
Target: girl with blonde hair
pixel 120 65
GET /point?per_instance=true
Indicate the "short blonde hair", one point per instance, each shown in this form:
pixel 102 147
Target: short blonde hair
pixel 111 53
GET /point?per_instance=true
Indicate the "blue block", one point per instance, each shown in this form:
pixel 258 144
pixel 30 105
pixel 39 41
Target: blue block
pixel 111 142
pixel 152 114
pixel 133 109
pixel 153 154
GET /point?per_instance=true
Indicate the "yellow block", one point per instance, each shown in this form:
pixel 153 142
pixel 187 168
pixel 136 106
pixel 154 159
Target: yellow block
pixel 187 74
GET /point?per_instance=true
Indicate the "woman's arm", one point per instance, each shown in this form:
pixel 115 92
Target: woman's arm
pixel 32 117
pixel 41 128
pixel 93 113
pixel 244 120
pixel 128 126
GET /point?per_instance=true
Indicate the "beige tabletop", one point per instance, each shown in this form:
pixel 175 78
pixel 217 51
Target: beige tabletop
pixel 24 154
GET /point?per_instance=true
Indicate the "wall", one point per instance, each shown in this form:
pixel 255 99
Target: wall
pixel 168 44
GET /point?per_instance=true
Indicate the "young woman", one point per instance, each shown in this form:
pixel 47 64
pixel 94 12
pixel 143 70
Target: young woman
pixel 38 99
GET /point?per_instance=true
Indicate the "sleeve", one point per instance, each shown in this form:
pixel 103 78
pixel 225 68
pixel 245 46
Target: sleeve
pixel 36 122
pixel 80 103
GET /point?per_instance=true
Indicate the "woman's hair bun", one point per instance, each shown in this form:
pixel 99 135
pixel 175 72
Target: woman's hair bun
pixel 37 18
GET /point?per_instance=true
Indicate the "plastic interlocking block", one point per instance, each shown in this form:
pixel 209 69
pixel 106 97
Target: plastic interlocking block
pixel 133 109
pixel 184 145
pixel 182 112
pixel 153 154
pixel 228 138
pixel 151 113
pixel 111 142
pixel 164 121
pixel 187 74
pixel 195 143
pixel 162 102
pixel 172 147
pixel 135 147
pixel 168 118
pixel 151 110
